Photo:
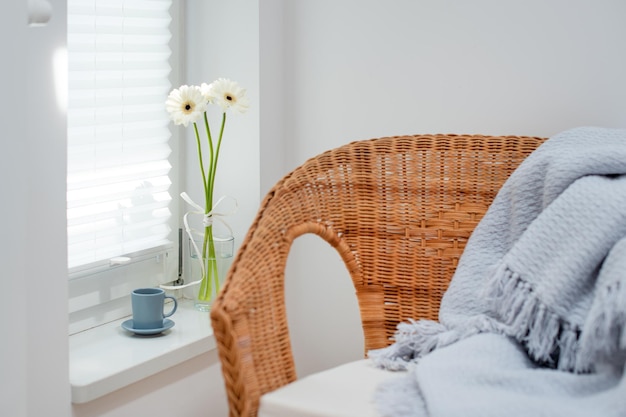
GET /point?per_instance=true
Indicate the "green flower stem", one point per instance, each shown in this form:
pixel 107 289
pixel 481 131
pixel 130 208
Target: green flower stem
pixel 205 290
pixel 204 179
pixel 210 278
pixel 217 154
pixel 208 183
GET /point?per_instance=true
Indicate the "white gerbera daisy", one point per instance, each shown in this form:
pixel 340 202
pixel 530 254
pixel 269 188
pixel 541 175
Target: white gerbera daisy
pixel 227 94
pixel 186 104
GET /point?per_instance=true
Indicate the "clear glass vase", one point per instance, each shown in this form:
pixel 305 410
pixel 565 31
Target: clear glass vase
pixel 218 256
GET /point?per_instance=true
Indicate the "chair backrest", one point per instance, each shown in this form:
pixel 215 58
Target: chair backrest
pixel 399 210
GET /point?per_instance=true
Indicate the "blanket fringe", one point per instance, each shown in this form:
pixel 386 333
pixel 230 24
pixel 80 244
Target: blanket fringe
pixel 604 334
pixel 412 340
pixel 549 340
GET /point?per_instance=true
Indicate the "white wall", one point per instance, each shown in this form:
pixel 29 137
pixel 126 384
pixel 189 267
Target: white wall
pixel 33 352
pixel 357 69
pixel 272 106
pixel 12 354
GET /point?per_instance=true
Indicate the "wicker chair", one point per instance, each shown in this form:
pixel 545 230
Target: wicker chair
pixel 399 210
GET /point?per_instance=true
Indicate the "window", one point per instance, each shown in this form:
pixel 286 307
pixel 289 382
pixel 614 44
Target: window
pixel 122 229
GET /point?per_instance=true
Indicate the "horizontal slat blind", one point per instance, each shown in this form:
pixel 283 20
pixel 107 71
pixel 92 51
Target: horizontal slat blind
pixel 118 130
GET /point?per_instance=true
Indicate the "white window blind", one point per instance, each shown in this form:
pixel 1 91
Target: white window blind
pixel 118 130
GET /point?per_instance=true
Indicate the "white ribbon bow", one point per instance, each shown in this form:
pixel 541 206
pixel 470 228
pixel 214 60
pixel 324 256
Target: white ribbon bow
pixel 207 221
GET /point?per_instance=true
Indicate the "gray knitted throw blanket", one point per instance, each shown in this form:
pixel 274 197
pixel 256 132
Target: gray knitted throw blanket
pixel 534 320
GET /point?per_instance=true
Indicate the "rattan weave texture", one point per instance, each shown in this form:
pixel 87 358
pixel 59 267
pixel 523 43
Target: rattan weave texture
pixel 399 211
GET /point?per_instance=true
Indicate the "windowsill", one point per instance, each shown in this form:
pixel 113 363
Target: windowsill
pixel 107 358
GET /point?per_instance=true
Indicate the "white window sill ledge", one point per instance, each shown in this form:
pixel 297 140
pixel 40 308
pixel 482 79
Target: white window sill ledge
pixel 107 358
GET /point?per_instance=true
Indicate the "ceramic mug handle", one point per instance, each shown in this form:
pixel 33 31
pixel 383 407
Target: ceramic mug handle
pixel 174 307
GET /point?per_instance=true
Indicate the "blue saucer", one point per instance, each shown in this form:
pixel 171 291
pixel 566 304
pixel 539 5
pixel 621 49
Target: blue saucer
pixel 128 325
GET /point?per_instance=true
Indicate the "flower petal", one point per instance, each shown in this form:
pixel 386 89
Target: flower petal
pixel 227 94
pixel 186 104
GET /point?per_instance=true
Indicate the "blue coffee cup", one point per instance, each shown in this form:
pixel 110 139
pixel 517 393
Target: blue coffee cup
pixel 148 305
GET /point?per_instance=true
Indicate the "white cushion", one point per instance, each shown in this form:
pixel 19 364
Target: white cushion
pixel 343 391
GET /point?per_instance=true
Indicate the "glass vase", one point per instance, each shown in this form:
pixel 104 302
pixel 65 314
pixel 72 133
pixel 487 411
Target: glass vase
pixel 217 260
